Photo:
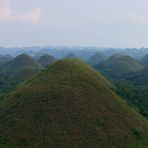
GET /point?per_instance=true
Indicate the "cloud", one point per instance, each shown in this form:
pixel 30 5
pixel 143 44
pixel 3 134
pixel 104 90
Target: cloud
pixel 7 13
pixel 32 17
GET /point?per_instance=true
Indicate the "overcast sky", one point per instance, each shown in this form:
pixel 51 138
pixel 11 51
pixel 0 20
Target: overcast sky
pixel 107 23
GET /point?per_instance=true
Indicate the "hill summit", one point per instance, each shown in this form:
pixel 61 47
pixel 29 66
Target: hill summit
pixel 69 105
pixel 97 58
pixel 23 66
pixel 119 65
pixel 46 60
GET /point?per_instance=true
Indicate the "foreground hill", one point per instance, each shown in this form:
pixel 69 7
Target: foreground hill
pixel 119 65
pixel 46 60
pixel 97 58
pixel 145 60
pixel 23 66
pixel 69 105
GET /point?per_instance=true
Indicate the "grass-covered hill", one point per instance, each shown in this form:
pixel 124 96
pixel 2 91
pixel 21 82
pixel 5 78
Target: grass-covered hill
pixel 97 58
pixel 71 55
pixel 21 65
pixel 139 78
pixel 119 65
pixel 46 60
pixel 16 71
pixel 69 105
pixel 145 60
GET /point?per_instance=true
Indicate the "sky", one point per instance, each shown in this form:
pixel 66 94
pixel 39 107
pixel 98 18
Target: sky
pixel 102 23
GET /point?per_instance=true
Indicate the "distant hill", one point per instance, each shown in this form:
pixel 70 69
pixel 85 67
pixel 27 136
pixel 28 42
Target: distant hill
pixel 22 64
pixel 132 52
pixel 36 57
pixel 140 78
pixel 46 60
pixel 145 60
pixel 71 55
pixel 69 105
pixel 119 65
pixel 97 58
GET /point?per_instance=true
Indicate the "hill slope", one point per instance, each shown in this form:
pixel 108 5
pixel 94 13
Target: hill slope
pixel 19 65
pixel 119 65
pixel 46 60
pixel 69 105
pixel 4 60
pixel 145 60
pixel 96 59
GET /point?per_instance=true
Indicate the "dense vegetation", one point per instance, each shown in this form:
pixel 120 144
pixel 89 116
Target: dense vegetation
pixel 6 86
pixel 135 95
pixel 70 105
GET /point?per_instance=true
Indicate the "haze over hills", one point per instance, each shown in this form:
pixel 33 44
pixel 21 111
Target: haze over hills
pixel 46 60
pixel 119 65
pixel 132 52
pixel 69 105
pixel 82 52
pixel 71 55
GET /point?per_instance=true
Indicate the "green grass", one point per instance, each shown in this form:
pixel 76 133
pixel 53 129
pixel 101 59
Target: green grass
pixel 118 65
pixel 17 64
pixel 70 105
